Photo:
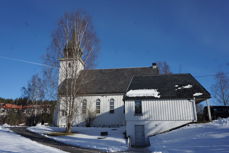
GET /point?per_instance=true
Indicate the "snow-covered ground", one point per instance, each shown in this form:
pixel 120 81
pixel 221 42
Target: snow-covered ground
pixel 196 138
pixel 88 137
pixel 13 143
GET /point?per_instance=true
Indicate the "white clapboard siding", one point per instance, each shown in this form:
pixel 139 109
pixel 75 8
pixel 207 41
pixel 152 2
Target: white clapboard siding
pixel 162 110
pixel 104 118
pixel 151 127
pixel 64 68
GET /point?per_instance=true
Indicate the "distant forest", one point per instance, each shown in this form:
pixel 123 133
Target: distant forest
pixel 25 101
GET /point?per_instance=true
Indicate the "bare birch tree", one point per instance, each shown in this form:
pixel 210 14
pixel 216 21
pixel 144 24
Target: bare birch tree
pixel 34 89
pixel 164 68
pixel 75 44
pixel 34 92
pixel 221 88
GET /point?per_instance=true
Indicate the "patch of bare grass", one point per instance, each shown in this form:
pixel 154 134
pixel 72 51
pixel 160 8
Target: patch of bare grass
pixel 59 134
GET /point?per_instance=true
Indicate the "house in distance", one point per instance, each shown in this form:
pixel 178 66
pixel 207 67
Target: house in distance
pixel 141 99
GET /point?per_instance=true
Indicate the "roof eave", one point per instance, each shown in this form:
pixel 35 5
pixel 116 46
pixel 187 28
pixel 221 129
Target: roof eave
pixel 198 100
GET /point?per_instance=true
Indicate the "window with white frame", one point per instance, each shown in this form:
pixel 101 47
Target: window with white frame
pixel 111 105
pixel 97 106
pixel 84 106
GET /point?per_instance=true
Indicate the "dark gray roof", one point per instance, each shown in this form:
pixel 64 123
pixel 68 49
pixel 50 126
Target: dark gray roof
pixel 104 81
pixel 168 86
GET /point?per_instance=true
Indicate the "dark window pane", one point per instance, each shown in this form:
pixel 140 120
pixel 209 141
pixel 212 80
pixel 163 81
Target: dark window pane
pixel 112 105
pixel 98 106
pixel 138 107
pixel 84 106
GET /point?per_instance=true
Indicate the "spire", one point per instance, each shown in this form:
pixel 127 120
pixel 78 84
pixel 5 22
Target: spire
pixel 71 49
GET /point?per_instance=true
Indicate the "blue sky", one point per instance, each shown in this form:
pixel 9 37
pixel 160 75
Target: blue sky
pixel 191 36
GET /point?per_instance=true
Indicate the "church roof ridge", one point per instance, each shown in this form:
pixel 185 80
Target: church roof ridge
pixel 123 68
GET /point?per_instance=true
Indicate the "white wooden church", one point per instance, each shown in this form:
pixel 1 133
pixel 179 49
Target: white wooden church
pixel 140 98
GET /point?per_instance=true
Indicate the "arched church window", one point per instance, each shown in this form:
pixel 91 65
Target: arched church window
pixel 84 106
pixel 111 105
pixel 97 106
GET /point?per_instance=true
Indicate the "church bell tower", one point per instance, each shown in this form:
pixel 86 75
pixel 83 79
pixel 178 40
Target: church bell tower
pixel 71 63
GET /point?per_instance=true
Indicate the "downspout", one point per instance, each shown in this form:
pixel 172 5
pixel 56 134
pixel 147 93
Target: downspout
pixel 194 109
pixel 209 111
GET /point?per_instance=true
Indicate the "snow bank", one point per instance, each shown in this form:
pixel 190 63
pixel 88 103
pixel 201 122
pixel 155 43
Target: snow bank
pixel 11 142
pixel 3 129
pixel 223 122
pixel 195 138
pixel 88 137
pixel 143 93
pixel 42 129
pixel 6 125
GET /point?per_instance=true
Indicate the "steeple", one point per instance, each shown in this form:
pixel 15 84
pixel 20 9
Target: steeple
pixel 72 60
pixel 72 48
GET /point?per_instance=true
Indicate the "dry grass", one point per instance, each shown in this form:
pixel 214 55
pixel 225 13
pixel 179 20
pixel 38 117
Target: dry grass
pixel 59 134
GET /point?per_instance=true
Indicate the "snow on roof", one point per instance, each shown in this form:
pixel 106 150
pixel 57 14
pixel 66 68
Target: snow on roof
pixel 184 87
pixel 143 93
pixel 197 94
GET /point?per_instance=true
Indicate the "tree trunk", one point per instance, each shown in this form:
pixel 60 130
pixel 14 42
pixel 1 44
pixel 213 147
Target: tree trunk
pixel 69 128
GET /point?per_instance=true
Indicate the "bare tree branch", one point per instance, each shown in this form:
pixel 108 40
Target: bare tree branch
pixel 221 88
pixel 164 68
pixel 34 92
